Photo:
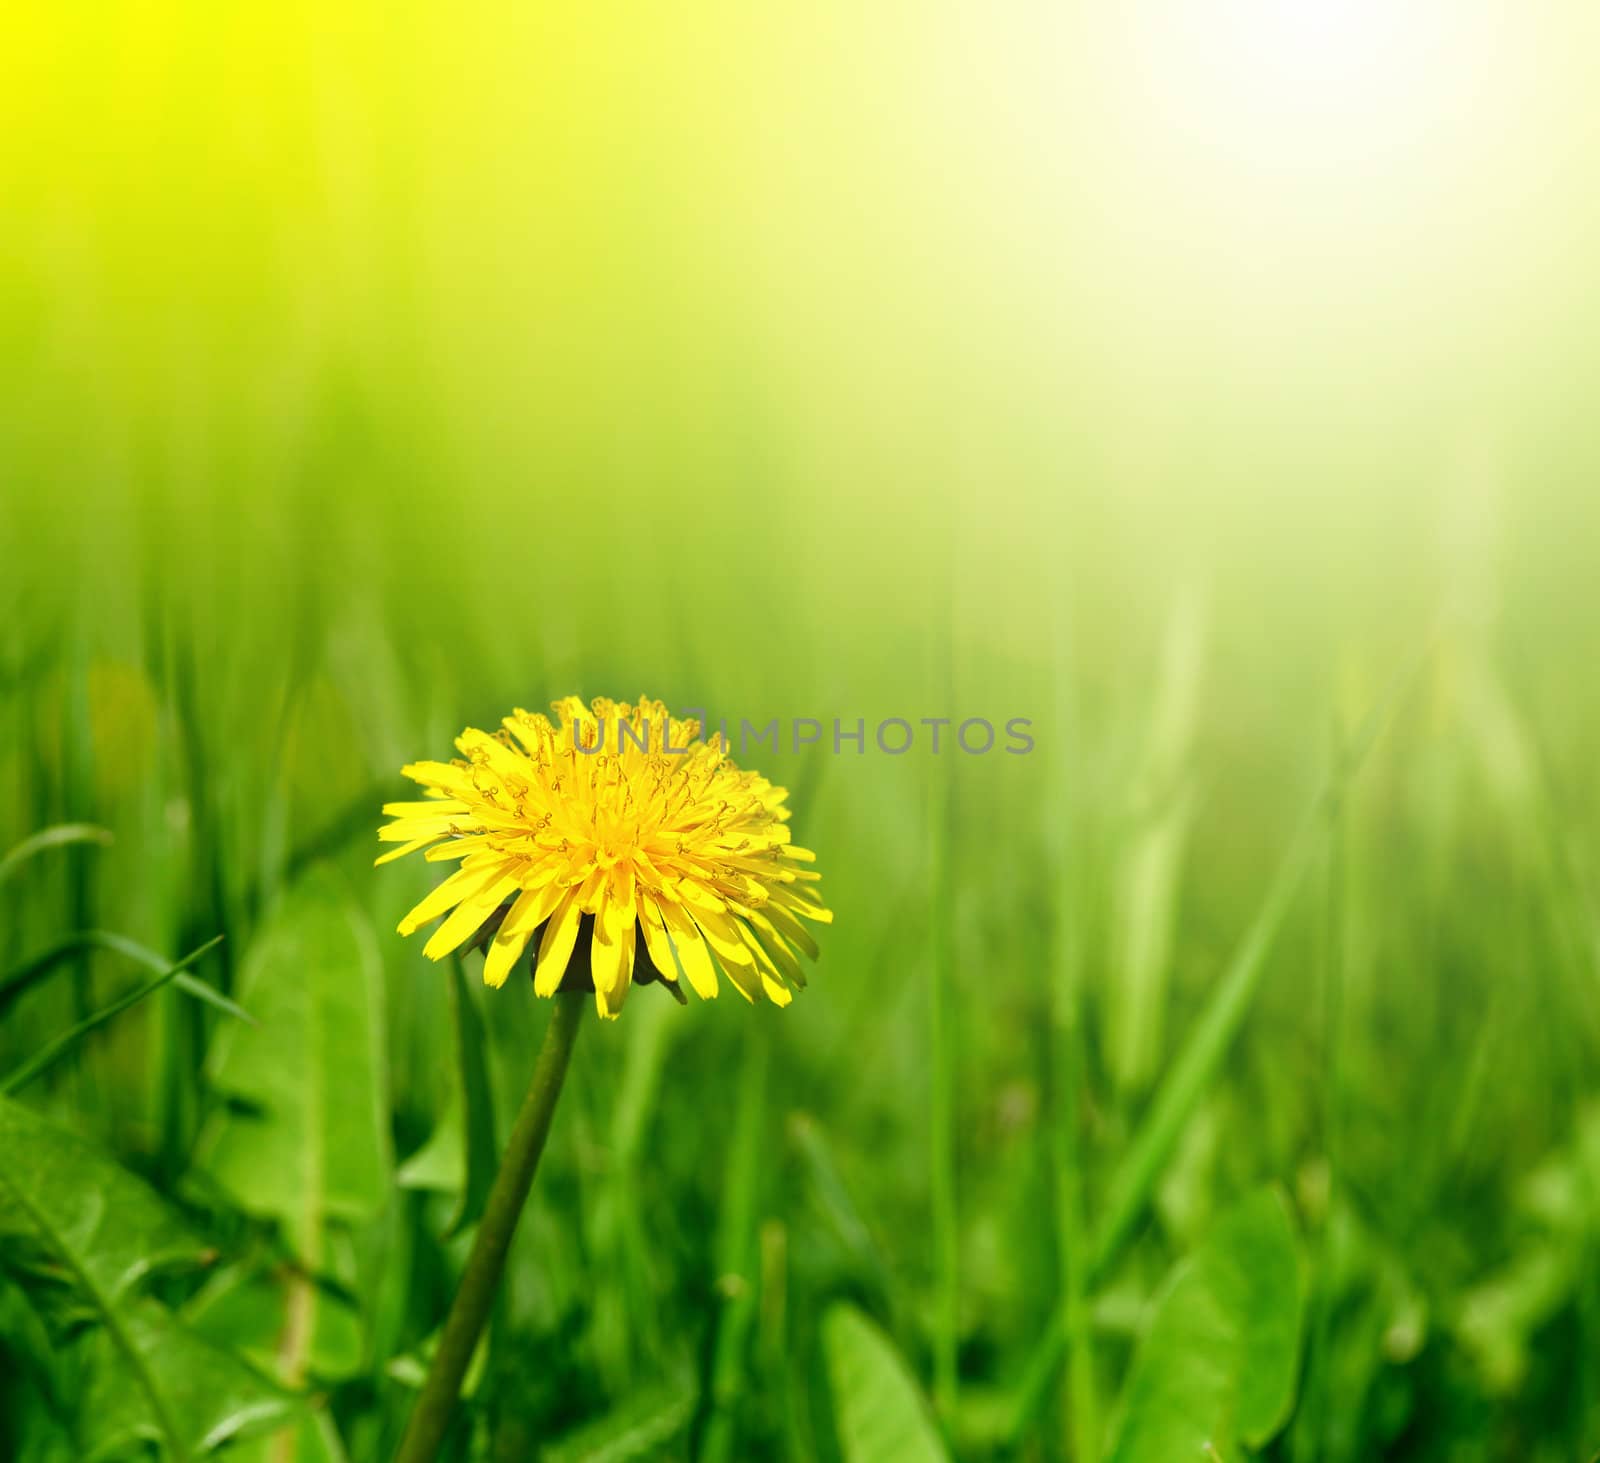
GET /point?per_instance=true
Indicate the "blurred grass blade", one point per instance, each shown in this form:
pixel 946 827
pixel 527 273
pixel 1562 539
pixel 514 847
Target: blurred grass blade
pixel 944 1216
pixel 461 1154
pixel 23 975
pixel 1217 1368
pixel 1197 1064
pixel 1174 1103
pixel 736 1253
pixel 1310 1424
pixel 59 836
pixel 646 1425
pixel 880 1415
pixel 838 1209
pixel 943 1009
pixel 1149 865
pixel 353 818
pixel 55 1050
pixel 1074 856
pixel 1230 1000
pixel 625 1315
pixel 1202 1054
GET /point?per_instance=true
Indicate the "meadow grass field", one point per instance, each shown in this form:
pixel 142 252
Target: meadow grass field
pixel 1218 1077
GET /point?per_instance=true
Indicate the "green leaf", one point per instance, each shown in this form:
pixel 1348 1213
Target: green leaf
pixel 880 1413
pixel 311 1142
pixel 74 1217
pixel 253 1310
pixel 1217 1367
pixel 101 1226
pixel 311 1438
pixel 440 1165
pixel 211 1396
pixel 306 1141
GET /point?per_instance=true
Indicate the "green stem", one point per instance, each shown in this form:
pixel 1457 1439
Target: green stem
pixel 430 1419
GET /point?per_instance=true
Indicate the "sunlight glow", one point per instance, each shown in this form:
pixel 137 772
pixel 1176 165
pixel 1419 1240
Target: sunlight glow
pixel 1313 81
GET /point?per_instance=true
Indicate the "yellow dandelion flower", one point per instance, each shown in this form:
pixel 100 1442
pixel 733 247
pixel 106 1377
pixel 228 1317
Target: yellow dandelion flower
pixel 613 823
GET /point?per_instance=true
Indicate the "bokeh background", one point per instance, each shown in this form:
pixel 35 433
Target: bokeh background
pixel 1179 375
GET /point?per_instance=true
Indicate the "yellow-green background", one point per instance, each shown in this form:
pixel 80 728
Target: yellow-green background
pixel 1172 374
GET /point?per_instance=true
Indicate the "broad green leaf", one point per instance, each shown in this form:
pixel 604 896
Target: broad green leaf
pixel 103 1228
pixel 254 1311
pixel 311 1438
pixel 311 1142
pixel 306 1141
pixel 209 1396
pixel 73 1218
pixel 1217 1368
pixel 880 1414
pixel 440 1165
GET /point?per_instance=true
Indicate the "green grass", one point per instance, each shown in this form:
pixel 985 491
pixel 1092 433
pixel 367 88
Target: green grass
pixel 363 379
pixel 1403 1041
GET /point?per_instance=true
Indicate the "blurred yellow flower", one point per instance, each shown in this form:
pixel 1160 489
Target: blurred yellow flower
pixel 613 820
